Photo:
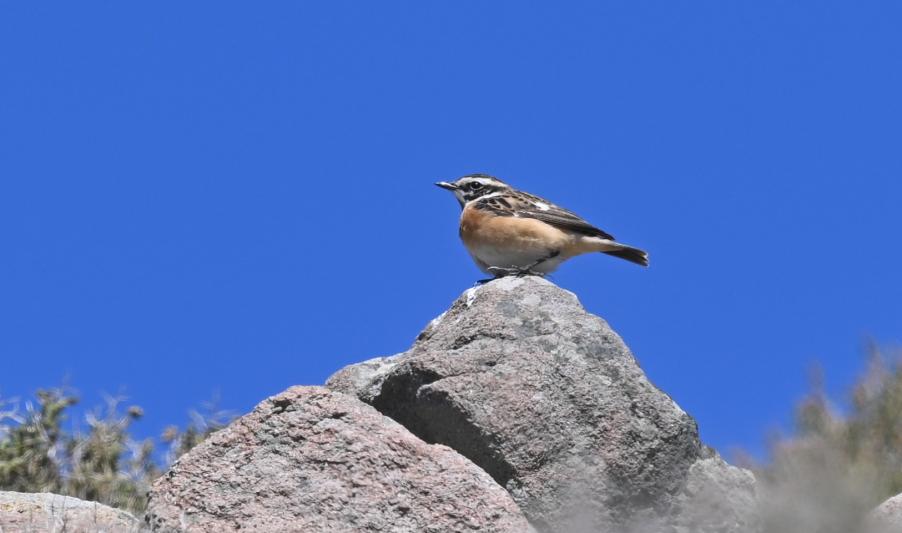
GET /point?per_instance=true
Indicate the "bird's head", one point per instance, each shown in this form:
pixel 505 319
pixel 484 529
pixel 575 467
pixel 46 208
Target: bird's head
pixel 474 186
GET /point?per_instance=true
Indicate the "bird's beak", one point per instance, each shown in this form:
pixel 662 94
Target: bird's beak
pixel 446 185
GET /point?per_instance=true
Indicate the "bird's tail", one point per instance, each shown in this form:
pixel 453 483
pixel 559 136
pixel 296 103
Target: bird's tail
pixel 633 255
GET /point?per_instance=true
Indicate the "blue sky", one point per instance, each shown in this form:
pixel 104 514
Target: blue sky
pixel 236 197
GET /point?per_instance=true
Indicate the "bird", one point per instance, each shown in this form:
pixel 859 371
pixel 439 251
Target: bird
pixel 511 232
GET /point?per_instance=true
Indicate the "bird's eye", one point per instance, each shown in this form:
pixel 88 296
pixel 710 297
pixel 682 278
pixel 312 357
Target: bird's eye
pixel 475 186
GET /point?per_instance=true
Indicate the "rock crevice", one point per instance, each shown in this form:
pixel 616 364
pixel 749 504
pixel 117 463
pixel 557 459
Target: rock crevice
pixel 311 459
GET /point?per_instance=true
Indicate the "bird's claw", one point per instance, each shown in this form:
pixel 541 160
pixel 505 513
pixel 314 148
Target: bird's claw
pixel 500 272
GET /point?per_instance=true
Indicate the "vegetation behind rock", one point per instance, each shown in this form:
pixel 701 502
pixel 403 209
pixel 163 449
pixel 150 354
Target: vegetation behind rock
pixel 841 462
pixel 40 453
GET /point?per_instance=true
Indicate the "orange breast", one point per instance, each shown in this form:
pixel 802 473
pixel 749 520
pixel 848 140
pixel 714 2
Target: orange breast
pixel 480 229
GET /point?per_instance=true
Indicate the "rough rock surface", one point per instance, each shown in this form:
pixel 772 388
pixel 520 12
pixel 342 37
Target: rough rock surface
pixel 887 517
pixel 314 460
pixel 51 513
pixel 363 380
pixel 546 398
pixel 716 497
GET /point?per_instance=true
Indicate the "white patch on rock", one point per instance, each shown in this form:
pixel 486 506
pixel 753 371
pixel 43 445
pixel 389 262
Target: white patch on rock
pixel 677 406
pixel 508 283
pixel 471 295
pixel 437 320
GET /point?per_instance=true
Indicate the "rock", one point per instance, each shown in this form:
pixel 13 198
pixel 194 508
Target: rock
pixel 716 497
pixel 887 517
pixel 314 460
pixel 52 513
pixel 546 398
pixel 363 380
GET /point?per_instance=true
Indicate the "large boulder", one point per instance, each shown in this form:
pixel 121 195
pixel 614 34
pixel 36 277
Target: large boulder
pixel 547 398
pixel 314 460
pixel 52 513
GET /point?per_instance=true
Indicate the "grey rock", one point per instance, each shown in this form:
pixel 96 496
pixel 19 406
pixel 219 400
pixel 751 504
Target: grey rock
pixel 716 497
pixel 363 380
pixel 546 398
pixel 51 513
pixel 315 460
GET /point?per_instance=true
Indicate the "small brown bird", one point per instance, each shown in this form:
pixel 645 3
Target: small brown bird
pixel 510 232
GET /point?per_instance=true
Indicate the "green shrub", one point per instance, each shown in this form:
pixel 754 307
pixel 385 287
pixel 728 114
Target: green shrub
pixel 39 454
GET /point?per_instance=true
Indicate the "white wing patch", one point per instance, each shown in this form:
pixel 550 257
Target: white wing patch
pixel 542 205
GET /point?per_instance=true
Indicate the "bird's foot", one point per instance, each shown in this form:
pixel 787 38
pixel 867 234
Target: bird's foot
pixel 500 272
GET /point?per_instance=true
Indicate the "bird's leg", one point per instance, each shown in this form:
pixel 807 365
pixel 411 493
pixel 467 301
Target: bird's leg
pixel 528 270
pixel 500 272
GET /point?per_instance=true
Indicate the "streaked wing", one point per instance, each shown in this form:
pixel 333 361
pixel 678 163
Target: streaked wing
pixel 525 205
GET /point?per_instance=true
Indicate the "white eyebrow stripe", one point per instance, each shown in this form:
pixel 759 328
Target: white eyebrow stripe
pixel 490 195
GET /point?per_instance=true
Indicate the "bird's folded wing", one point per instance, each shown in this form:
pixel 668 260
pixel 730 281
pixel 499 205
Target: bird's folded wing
pixel 534 207
pixel 566 220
